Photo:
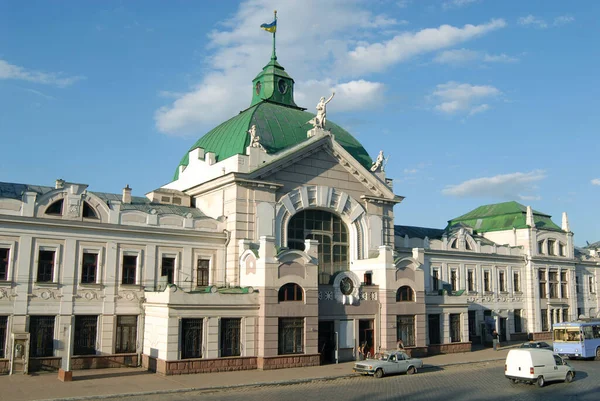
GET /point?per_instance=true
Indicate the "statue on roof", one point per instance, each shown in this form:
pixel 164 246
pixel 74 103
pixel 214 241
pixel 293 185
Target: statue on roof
pixel 379 162
pixel 321 117
pixel 254 138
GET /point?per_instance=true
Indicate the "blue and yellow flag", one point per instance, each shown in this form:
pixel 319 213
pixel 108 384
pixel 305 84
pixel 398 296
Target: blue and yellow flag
pixel 272 27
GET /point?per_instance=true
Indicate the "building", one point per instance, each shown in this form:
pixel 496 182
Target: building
pixel 274 246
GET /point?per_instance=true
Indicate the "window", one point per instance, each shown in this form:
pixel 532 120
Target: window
pixel 516 282
pixel 230 337
pixel 551 247
pixel 406 330
pixel 3 330
pixel 368 278
pixel 553 280
pixel 577 285
pixel 591 284
pixel 55 208
pixel 562 250
pixel 41 332
pixel 202 272
pixel 563 285
pixel 405 294
pixel 86 328
pixel 486 281
pixel 435 279
pixel 454 244
pixel 291 335
pixel 332 235
pixel 544 319
pixel 565 315
pixel 471 280
pixel 129 269
pixel 501 281
pixel 472 324
pixel 4 253
pixel 126 336
pixel 542 281
pixel 191 338
pixel 454 279
pixel 579 312
pixel 168 268
pixel 88 211
pixel 518 321
pixel 541 247
pixel 455 328
pixel 45 271
pixel 433 323
pixel 89 267
pixel 290 292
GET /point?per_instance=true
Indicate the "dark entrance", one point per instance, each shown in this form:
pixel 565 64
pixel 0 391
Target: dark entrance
pixel 366 334
pixel 326 341
pixel 434 329
pixel 502 334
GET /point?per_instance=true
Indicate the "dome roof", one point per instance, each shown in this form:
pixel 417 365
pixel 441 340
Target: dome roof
pixel 279 126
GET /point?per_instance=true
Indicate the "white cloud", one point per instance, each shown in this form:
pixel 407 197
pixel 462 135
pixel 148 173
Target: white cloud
pixel 11 71
pixel 505 186
pixel 403 3
pixel 465 56
pixel 563 20
pixel 349 96
pixel 457 3
pixel 532 20
pixel 454 97
pixel 595 181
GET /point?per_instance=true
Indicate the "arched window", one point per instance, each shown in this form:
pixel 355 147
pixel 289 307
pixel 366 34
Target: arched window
pixel 454 244
pixel 332 234
pixel 88 211
pixel 290 292
pixel 405 294
pixel 55 208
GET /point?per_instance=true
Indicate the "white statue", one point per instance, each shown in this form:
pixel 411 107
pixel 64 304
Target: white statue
pixel 321 117
pixel 254 138
pixel 378 165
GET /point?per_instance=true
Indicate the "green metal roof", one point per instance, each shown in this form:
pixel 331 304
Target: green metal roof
pixel 279 127
pixel 503 216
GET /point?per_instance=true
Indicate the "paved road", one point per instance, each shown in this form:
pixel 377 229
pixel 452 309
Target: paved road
pixel 482 381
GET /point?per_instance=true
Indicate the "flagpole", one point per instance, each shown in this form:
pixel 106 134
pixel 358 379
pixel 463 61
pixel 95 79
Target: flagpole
pixel 274 56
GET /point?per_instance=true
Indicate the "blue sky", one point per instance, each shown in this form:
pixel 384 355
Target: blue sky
pixel 474 101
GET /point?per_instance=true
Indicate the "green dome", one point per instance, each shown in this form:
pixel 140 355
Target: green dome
pixel 279 126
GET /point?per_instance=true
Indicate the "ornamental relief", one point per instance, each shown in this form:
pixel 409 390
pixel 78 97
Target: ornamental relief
pixel 131 296
pixel 89 295
pixel 46 294
pixel 6 295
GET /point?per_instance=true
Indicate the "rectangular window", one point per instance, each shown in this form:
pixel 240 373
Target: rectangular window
pixel 544 319
pixel 454 279
pixel 41 332
pixel 565 315
pixel 577 284
pixel 368 278
pixel 517 321
pixel 501 281
pixel 86 329
pixel 129 269
pixel 562 250
pixel 470 280
pixel 433 323
pixel 406 330
pixel 3 330
pixel 486 281
pixel 563 285
pixel 203 269
pixel 4 253
pixel 553 281
pixel 191 338
pixel 291 335
pixel 551 247
pixel 542 281
pixel 516 282
pixel 168 268
pixel 89 268
pixel 472 324
pixel 541 247
pixel 45 273
pixel 579 312
pixel 126 336
pixel 435 279
pixel 455 327
pixel 230 337
pixel 591 284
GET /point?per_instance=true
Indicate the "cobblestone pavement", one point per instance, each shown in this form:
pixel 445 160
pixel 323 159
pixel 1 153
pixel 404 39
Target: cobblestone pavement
pixel 478 381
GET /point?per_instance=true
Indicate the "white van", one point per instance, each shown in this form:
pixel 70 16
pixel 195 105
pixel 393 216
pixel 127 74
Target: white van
pixel 531 365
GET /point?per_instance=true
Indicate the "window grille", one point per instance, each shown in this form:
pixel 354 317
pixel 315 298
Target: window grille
pixel 3 330
pixel 405 325
pixel 4 253
pixel 86 328
pixel 455 328
pixel 41 329
pixel 230 337
pixel 191 338
pixel 291 336
pixel 126 336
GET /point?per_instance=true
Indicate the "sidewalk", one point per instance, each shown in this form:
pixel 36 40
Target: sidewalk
pixel 101 383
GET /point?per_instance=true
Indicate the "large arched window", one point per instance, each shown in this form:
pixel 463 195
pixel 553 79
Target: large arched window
pixel 332 235
pixel 405 294
pixel 290 292
pixel 55 208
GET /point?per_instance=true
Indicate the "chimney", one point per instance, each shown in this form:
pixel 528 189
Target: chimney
pixel 529 220
pixel 60 183
pixel 127 194
pixel 565 222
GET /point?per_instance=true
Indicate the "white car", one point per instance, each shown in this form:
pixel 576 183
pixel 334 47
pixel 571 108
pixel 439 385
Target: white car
pixel 389 363
pixel 533 365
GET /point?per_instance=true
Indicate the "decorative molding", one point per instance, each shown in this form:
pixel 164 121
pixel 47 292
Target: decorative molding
pixel 45 294
pixel 129 295
pixel 6 294
pixel 88 295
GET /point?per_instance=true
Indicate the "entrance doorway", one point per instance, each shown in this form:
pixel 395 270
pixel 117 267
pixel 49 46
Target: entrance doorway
pixel 327 341
pixel 502 334
pixel 366 334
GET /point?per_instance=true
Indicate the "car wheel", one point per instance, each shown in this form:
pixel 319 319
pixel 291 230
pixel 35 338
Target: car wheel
pixel 411 370
pixel 541 381
pixel 598 354
pixel 378 373
pixel 569 377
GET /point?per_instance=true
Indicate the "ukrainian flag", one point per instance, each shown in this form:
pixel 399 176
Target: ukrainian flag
pixel 272 27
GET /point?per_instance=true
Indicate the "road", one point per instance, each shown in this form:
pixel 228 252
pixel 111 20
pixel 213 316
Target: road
pixel 481 381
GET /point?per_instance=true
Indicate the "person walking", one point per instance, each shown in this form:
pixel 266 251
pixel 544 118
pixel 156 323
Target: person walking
pixel 495 341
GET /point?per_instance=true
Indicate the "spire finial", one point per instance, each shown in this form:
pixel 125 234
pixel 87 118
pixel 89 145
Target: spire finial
pixel 274 55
